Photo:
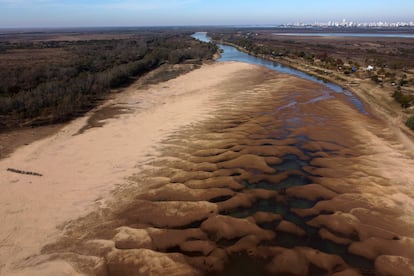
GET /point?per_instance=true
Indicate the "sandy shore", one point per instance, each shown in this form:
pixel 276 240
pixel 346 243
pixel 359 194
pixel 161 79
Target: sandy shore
pixel 161 187
pixel 80 170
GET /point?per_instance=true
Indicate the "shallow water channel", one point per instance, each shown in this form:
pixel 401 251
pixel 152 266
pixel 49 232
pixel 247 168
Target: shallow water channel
pixel 295 171
pixel 230 53
pixel 273 184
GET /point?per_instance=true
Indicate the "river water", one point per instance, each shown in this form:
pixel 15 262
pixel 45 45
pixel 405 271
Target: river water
pixel 299 118
pixel 230 53
pixel 282 180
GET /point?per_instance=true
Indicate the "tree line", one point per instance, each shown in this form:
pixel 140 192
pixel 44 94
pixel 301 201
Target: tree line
pixel 59 88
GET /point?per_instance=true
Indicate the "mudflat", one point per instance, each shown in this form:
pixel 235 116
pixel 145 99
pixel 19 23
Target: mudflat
pixel 228 167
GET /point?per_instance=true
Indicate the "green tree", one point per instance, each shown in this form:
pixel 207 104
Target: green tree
pixel 410 122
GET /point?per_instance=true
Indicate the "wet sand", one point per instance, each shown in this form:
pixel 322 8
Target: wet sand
pixel 229 168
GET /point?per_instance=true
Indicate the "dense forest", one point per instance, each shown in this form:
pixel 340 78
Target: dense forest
pixel 50 81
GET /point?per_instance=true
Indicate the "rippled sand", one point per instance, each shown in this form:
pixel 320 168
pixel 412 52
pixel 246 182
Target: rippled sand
pixel 285 177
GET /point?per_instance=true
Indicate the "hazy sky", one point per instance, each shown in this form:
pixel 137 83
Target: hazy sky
pixel 65 13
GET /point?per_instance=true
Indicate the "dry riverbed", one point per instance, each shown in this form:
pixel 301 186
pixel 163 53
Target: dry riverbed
pixel 228 167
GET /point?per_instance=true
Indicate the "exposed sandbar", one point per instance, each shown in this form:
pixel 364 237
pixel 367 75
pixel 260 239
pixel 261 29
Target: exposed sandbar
pixel 227 160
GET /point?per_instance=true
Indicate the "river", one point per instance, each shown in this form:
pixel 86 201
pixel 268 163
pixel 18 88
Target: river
pixel 302 115
pixel 283 175
pixel 230 53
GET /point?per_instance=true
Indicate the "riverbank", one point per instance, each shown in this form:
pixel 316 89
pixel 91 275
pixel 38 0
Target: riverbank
pixel 14 138
pixel 285 172
pixel 81 163
pixel 379 98
pixel 45 81
pixel 226 159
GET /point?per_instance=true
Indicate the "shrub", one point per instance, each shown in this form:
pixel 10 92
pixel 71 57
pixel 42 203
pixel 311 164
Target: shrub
pixel 410 122
pixel 375 78
pixel 403 99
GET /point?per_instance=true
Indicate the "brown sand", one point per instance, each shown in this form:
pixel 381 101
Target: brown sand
pixel 186 209
pixel 79 170
pixel 10 140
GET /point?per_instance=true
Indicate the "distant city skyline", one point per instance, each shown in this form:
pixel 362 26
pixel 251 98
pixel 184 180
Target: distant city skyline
pixel 94 13
pixel 345 23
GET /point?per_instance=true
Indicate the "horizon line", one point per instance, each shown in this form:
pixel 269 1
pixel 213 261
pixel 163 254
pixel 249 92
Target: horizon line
pixel 189 26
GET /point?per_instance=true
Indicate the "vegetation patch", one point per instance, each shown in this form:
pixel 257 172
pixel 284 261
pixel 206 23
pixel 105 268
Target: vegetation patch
pixel 53 81
pixel 410 122
pixel 405 100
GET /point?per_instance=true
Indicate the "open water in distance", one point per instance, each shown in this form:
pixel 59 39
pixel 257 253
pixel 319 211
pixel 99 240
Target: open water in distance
pixel 230 53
